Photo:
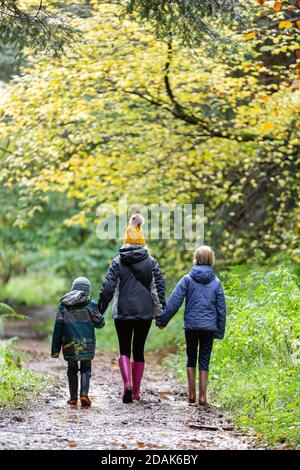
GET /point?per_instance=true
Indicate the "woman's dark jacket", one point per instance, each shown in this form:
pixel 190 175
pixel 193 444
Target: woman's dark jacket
pixel 74 331
pixel 136 281
pixel 205 307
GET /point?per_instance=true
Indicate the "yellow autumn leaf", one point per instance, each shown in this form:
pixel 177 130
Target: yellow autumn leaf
pixel 285 25
pixel 250 35
pixel 268 125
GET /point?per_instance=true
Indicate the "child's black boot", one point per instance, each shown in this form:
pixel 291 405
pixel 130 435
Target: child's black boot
pixel 85 376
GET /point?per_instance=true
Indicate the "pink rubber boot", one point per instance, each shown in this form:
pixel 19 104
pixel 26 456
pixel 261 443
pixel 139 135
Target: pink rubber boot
pixel 137 374
pixel 124 364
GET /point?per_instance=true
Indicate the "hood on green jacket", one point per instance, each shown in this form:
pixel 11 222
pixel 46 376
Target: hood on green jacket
pixel 75 297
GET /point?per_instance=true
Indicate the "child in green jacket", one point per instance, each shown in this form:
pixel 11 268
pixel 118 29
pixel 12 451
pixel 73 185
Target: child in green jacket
pixel 74 332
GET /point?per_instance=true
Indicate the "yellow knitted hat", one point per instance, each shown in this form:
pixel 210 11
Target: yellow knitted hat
pixel 134 233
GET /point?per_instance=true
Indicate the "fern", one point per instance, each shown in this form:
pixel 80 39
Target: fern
pixel 8 312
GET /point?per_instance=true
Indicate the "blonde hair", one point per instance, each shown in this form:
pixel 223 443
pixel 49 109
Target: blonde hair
pixel 204 255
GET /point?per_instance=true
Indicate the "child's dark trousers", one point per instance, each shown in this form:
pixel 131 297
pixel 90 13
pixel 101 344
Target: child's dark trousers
pixel 202 340
pixel 85 375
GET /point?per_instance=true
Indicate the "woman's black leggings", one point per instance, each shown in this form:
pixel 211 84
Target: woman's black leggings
pixel 132 334
pixel 203 339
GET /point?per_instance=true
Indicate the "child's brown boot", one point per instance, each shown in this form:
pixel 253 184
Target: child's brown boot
pixel 203 379
pixel 191 375
pixel 72 402
pixel 85 401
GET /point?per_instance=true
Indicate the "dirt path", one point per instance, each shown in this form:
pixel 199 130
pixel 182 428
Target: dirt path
pixel 161 420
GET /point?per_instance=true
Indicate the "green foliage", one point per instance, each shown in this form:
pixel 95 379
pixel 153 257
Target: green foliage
pixel 255 369
pixel 29 24
pixel 6 311
pixel 192 22
pixel 44 26
pixel 9 356
pixel 34 289
pixel 17 385
pixel 126 114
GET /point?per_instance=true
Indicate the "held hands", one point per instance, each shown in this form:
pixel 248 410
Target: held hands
pixel 158 323
pixel 161 327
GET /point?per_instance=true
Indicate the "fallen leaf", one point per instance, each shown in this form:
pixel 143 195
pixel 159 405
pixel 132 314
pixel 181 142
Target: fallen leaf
pixel 72 444
pixel 165 395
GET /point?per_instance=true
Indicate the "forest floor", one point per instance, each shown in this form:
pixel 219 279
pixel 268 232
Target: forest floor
pixel 162 419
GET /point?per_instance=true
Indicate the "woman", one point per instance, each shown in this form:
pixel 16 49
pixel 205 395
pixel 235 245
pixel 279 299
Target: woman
pixel 139 287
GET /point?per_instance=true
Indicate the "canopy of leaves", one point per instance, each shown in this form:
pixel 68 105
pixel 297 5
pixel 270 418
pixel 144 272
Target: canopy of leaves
pixel 39 24
pixel 190 21
pixel 126 113
pixel 29 24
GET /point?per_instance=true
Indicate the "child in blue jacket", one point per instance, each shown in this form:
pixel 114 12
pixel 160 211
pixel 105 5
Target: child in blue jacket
pixel 204 317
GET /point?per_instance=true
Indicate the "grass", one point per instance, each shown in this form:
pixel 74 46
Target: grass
pixel 255 370
pixel 17 385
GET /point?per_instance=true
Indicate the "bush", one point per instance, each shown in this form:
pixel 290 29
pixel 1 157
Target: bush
pixel 17 385
pixel 33 289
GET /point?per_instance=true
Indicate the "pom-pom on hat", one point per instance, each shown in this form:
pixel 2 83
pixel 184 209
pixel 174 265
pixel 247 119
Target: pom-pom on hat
pixel 134 233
